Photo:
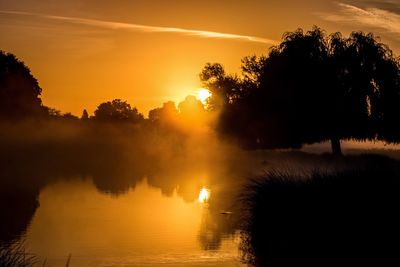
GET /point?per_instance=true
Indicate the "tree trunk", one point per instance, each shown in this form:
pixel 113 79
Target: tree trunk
pixel 336 147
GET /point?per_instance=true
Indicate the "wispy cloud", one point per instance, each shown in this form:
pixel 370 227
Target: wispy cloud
pixel 370 17
pixel 112 25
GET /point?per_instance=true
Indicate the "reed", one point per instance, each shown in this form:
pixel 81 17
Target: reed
pixel 15 255
pixel 324 219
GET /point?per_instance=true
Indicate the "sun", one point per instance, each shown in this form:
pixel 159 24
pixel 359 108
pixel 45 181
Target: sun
pixel 203 94
pixel 204 195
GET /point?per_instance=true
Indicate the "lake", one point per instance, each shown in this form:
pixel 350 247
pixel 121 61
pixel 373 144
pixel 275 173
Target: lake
pixel 111 210
pixel 108 206
pixel 140 227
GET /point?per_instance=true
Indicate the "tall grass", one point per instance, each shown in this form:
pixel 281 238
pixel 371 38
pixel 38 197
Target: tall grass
pixel 348 217
pixel 15 255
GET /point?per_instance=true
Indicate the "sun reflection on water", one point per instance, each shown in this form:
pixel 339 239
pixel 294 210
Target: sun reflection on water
pixel 204 195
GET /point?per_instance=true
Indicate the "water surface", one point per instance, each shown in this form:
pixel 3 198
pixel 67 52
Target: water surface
pixel 140 227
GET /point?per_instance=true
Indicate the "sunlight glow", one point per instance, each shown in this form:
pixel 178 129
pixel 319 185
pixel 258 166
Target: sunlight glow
pixel 204 195
pixel 203 94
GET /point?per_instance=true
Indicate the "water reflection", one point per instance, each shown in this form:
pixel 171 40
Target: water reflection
pixel 204 195
pixel 17 209
pixel 108 206
pixel 141 226
pixel 214 229
pixel 153 214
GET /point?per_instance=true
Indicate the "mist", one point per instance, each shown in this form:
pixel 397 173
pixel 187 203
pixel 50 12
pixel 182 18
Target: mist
pixel 316 115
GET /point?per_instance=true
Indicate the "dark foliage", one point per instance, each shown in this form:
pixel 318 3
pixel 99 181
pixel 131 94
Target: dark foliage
pixel 85 115
pixel 117 111
pixel 310 88
pixel 336 219
pixel 19 90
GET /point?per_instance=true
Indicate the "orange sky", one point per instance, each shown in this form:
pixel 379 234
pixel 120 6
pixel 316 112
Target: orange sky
pixel 90 51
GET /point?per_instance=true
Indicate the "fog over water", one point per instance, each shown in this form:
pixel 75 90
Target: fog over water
pixel 111 195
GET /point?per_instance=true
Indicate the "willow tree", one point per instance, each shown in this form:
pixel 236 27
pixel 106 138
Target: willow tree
pixel 365 77
pixel 312 88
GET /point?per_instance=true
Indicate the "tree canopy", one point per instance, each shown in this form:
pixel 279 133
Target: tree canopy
pixel 117 111
pixel 164 114
pixel 191 106
pixel 19 90
pixel 310 88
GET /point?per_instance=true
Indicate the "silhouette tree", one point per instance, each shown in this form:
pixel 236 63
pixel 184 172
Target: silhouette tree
pixel 223 87
pixel 52 112
pixel 19 90
pixel 191 106
pixel 85 115
pixel 293 95
pixel 163 115
pixel 117 111
pixel 310 88
pixel 69 116
pixel 365 77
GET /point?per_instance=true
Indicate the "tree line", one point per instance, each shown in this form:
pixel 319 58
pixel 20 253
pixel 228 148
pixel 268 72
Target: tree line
pixel 312 87
pixel 20 99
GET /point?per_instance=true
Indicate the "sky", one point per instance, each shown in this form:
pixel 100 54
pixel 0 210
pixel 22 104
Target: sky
pixel 85 52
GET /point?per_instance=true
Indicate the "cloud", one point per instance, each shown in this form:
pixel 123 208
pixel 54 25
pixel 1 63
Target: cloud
pixel 112 25
pixel 370 17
